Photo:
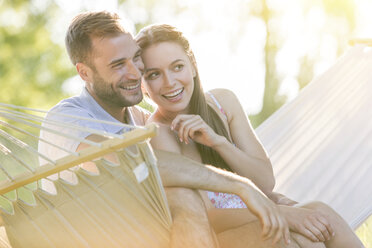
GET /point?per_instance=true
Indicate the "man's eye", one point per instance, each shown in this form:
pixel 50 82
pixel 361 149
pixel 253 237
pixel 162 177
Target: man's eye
pixel 117 65
pixel 137 57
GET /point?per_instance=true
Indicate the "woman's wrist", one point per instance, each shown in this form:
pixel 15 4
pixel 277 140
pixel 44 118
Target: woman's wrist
pixel 219 142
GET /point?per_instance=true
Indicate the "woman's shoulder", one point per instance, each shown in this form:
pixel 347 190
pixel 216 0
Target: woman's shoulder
pixel 222 94
pixel 221 91
pixel 225 97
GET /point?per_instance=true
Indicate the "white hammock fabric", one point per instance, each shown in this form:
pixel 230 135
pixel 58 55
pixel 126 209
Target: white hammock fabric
pixel 123 205
pixel 320 144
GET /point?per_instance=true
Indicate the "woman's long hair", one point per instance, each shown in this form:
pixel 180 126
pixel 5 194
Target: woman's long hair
pixel 157 33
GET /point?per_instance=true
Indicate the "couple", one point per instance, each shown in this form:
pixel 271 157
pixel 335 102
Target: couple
pixel 207 128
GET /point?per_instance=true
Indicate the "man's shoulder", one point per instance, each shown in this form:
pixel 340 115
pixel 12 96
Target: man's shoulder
pixel 67 108
pixel 140 114
pixel 68 104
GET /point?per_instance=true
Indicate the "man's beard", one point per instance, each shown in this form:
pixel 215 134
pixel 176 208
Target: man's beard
pixel 106 93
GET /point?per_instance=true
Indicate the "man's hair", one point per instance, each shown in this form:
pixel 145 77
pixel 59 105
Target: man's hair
pixel 86 26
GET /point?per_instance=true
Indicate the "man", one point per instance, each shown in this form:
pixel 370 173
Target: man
pixel 109 61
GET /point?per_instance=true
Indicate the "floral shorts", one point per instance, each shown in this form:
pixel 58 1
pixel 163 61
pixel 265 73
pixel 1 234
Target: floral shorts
pixel 225 200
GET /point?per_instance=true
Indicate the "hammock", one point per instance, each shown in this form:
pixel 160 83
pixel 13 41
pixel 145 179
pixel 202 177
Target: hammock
pixel 122 205
pixel 320 144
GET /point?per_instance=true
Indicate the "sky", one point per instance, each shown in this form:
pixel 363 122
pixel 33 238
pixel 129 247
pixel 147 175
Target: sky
pixel 228 49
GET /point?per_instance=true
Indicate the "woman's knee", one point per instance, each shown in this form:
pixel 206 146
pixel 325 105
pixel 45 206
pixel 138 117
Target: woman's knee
pixel 304 242
pixel 320 206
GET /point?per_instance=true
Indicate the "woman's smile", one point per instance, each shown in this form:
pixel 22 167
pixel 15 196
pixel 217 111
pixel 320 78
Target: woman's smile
pixel 175 95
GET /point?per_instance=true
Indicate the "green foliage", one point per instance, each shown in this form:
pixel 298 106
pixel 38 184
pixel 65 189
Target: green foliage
pixel 337 12
pixel 32 66
pixel 341 8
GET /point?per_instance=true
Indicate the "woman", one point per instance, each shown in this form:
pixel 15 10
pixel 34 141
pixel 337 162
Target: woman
pixel 213 129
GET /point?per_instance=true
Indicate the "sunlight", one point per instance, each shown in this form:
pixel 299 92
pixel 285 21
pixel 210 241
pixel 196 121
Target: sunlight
pixel 11 18
pixel 229 49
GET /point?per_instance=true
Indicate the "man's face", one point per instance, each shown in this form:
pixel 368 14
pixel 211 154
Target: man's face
pixel 116 72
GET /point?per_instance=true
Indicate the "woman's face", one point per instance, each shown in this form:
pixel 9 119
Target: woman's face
pixel 168 77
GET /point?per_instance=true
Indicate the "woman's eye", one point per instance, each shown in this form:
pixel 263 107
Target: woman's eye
pixel 152 75
pixel 178 67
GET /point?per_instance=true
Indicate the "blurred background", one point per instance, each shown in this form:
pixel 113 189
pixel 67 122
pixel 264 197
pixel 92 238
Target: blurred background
pixel 265 51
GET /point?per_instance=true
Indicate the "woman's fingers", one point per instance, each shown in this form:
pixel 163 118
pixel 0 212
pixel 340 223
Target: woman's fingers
pixel 307 233
pixel 280 229
pixel 327 225
pixel 319 227
pixel 188 126
pixel 274 226
pixel 179 123
pixel 193 128
pixel 315 231
pixel 323 230
pixel 287 236
pixel 266 226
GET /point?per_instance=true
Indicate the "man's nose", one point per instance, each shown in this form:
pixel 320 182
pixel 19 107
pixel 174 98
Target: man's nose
pixel 133 72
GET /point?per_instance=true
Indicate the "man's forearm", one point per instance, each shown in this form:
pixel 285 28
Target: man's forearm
pixel 179 171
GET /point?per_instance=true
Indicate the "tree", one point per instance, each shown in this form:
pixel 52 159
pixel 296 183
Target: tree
pixel 339 24
pixel 32 66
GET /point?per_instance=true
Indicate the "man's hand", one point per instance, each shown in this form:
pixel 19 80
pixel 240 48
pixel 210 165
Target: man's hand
pixel 274 224
pixel 310 223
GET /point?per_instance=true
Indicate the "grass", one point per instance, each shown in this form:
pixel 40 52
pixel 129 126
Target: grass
pixel 364 232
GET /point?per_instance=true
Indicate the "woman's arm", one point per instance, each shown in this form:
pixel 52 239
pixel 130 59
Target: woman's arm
pixel 248 157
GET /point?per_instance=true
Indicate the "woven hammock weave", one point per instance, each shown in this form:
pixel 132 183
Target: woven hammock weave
pixel 123 205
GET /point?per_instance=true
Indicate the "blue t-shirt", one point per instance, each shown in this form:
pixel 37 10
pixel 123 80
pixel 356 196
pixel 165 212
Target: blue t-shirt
pixel 84 106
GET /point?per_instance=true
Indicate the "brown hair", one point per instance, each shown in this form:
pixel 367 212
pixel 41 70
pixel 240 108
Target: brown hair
pixel 84 27
pixel 198 105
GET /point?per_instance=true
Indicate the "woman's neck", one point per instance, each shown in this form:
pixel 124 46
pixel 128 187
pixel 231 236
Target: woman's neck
pixel 166 117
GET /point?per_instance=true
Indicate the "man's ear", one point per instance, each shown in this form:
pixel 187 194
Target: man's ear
pixel 85 72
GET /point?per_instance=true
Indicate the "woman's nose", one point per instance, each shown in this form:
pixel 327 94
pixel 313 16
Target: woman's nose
pixel 168 79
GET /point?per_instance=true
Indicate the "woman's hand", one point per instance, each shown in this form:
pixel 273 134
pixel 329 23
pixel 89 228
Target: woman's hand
pixel 194 127
pixel 310 223
pixel 274 224
pixel 280 199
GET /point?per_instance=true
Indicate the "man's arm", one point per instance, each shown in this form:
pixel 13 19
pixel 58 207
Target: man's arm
pixel 179 171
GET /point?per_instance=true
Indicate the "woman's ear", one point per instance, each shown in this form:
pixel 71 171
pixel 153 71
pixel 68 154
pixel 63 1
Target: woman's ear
pixel 193 65
pixel 193 70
